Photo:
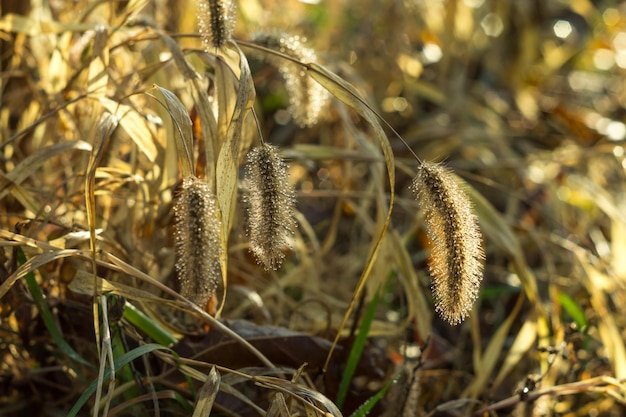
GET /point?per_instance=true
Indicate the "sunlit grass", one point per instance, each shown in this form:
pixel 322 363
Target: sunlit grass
pixel 522 103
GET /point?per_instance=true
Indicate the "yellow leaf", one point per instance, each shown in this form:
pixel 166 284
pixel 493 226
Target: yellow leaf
pixel 135 125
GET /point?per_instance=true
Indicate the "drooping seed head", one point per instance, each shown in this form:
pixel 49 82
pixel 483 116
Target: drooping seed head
pixel 456 260
pixel 306 97
pixel 216 21
pixel 198 248
pixel 270 200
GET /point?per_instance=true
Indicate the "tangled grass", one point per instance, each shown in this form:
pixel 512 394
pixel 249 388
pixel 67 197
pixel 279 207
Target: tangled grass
pixel 107 107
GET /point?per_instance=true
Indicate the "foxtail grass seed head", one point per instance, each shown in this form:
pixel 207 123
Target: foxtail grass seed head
pixel 270 206
pixel 198 248
pixel 307 98
pixel 216 21
pixel 456 260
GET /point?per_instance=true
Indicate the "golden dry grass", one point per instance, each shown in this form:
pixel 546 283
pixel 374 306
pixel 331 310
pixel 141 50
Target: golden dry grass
pixel 523 100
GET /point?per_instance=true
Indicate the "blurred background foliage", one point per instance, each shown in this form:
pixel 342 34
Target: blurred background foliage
pixel 523 99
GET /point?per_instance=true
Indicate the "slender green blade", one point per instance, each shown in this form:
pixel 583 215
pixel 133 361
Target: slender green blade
pixel 367 406
pixel 574 310
pixel 142 322
pixel 119 363
pixel 46 315
pixel 357 350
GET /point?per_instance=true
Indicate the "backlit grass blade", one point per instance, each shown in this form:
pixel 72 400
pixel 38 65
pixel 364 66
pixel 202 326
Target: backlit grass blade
pixel 574 310
pixel 357 350
pixel 345 92
pixel 142 322
pixel 46 315
pixel 207 394
pixel 367 406
pixel 228 161
pixel 118 364
pixel 182 127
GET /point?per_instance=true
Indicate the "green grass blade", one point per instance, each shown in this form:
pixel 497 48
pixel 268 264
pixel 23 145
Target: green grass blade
pixel 46 315
pixel 357 350
pixel 119 363
pixel 574 310
pixel 144 323
pixel 367 406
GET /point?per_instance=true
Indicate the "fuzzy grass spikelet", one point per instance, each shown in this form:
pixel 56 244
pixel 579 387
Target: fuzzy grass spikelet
pixel 197 240
pixel 270 200
pixel 306 97
pixel 456 260
pixel 216 22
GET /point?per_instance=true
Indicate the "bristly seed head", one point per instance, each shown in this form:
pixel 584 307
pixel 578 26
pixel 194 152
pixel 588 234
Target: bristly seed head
pixel 270 200
pixel 306 97
pixel 198 247
pixel 456 261
pixel 216 21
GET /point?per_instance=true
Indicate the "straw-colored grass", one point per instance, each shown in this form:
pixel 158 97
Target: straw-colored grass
pixel 107 106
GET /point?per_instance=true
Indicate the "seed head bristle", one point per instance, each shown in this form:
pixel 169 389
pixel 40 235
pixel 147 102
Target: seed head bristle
pixel 270 200
pixel 216 21
pixel 198 248
pixel 456 260
pixel 306 97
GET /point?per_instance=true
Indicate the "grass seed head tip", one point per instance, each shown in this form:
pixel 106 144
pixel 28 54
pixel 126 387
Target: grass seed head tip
pixel 216 21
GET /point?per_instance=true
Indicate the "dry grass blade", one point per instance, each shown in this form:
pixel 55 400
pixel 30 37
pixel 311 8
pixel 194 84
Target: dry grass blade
pixel 206 395
pixel 182 126
pixel 135 125
pixel 605 384
pixel 106 356
pixel 208 122
pixel 117 264
pixel 305 394
pixel 541 138
pixel 183 66
pixel 228 159
pixel 418 309
pixel 98 75
pixel 609 331
pixel 15 23
pixel 35 263
pixel 485 363
pixel 82 283
pixel 345 92
pixel 523 342
pixel 226 86
pixel 278 407
pixel 132 11
pixel 103 131
pixel 34 161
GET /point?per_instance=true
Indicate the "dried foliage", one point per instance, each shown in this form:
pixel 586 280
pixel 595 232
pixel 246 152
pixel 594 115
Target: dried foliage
pixel 124 123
